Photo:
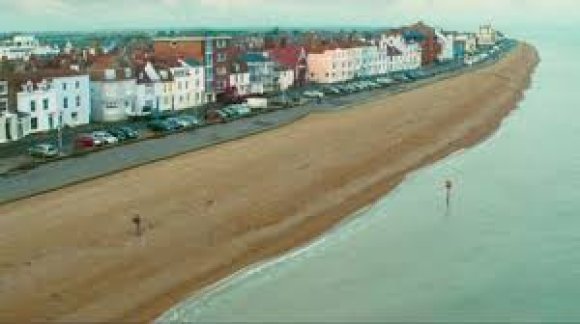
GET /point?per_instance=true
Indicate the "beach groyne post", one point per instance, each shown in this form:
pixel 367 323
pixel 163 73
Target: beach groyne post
pixel 137 221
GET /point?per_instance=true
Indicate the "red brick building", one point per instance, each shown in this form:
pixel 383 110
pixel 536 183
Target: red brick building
pixel 292 57
pixel 427 37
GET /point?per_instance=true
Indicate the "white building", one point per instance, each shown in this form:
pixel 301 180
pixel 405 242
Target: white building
pixel 163 89
pixel 446 40
pixel 402 55
pixel 73 99
pixel 13 126
pixel 113 94
pixel 263 76
pixel 470 42
pixel 37 99
pixel 240 79
pixel 189 84
pixel 21 47
pixel 487 36
pixel 285 78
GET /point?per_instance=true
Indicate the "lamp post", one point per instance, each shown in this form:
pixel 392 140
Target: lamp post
pixel 59 133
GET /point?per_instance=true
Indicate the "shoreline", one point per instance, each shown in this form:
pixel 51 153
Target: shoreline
pixel 124 281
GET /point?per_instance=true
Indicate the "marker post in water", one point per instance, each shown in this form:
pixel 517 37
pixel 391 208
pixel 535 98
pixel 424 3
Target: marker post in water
pixel 448 187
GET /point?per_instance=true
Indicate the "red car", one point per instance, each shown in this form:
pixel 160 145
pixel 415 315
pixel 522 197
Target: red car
pixel 86 141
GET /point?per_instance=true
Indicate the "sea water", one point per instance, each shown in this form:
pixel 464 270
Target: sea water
pixel 507 250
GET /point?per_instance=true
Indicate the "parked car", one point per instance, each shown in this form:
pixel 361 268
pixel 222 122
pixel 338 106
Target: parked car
pixel 87 141
pixel 44 150
pixel 162 125
pixel 129 132
pixel 119 134
pixel 105 137
pixel 346 88
pixel 229 112
pixel 191 120
pixel 313 94
pixel 385 81
pixel 331 91
pixel 180 122
pixel 176 123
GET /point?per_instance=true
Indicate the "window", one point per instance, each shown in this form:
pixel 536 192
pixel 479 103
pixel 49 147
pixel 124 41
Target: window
pixel 65 103
pixel 32 106
pixel 3 88
pixel 3 105
pixel 45 104
pixel 64 86
pixel 221 70
pixel 221 43
pixel 77 84
pixel 186 85
pixel 111 105
pixel 221 57
pixel 78 101
pixel 74 116
pixel 33 123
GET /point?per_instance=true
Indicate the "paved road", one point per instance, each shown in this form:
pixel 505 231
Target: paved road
pixel 68 171
pixel 53 175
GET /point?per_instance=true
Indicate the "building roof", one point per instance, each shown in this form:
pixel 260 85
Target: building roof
pixel 288 56
pixel 393 51
pixel 190 38
pixel 192 62
pixel 255 58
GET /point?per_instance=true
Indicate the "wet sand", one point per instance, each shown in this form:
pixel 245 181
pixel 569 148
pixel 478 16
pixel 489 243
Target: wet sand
pixel 71 255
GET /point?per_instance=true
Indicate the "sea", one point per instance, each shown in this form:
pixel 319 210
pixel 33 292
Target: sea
pixel 506 250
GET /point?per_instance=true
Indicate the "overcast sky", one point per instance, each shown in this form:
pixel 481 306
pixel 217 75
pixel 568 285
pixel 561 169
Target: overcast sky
pixel 110 14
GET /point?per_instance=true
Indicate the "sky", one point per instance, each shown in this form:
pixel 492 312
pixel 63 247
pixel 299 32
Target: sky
pixel 69 15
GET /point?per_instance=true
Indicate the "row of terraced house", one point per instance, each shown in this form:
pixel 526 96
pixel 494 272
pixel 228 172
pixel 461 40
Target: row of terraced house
pixel 73 88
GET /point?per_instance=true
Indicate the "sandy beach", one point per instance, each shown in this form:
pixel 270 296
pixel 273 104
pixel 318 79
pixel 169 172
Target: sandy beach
pixel 71 255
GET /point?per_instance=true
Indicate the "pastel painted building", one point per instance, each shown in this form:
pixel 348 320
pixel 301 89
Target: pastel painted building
pixel 331 63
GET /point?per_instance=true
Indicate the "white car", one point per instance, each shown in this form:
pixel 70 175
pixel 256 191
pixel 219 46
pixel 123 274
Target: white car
pixel 385 81
pixel 105 137
pixel 313 94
